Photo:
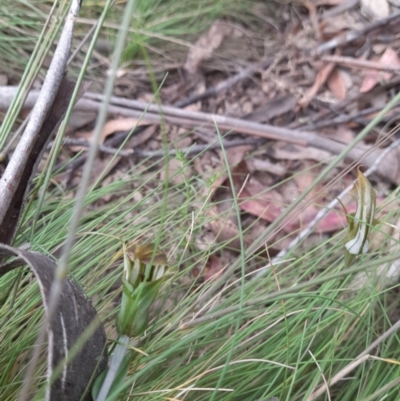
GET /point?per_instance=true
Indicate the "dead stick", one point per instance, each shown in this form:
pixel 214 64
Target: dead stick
pixel 226 84
pixel 356 63
pixel 190 150
pixel 353 35
pixel 341 119
pixel 338 108
pixel 339 9
pixel 176 116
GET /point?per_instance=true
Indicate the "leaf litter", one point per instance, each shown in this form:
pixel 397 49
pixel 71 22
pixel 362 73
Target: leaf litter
pixel 275 75
pixel 302 86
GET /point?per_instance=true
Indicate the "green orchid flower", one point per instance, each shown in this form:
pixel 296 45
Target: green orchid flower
pixel 361 222
pixel 144 273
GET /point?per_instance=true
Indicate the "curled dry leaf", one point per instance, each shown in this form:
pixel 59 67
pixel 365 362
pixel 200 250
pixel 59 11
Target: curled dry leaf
pixel 72 318
pixel 256 164
pixel 337 84
pixel 322 77
pixel 112 126
pixel 390 58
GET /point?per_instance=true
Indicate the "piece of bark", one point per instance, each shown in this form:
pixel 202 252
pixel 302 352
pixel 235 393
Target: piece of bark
pixel 15 182
pixel 73 316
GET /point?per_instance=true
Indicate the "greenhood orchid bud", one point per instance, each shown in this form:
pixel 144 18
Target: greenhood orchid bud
pixel 144 273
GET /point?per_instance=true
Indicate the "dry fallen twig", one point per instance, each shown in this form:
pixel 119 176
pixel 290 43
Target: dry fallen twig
pixel 346 118
pixel 337 109
pixel 192 150
pixel 226 84
pixel 339 9
pixel 359 63
pixel 348 37
pixel 175 116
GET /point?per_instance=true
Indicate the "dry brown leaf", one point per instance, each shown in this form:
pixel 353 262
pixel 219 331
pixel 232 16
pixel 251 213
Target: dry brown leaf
pixel 224 229
pixel 206 44
pixel 262 208
pixel 256 200
pixel 235 157
pixel 177 171
pixel 80 118
pixel 180 137
pixel 345 135
pixel 213 269
pixel 337 85
pixel 390 58
pixel 110 127
pixel 139 139
pixel 322 76
pixel 102 166
pixel 292 189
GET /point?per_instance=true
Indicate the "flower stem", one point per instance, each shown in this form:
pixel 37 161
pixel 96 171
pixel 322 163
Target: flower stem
pixel 116 360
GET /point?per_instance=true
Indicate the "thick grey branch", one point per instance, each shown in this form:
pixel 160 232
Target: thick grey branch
pixel 10 180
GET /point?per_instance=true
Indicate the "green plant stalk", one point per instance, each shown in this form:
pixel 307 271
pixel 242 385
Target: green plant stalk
pixel 288 293
pixel 116 360
pixel 242 265
pixel 43 182
pixel 42 47
pixel 384 389
pixel 156 89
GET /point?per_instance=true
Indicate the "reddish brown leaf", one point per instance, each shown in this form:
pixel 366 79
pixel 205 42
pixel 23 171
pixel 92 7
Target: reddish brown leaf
pixel 322 76
pixel 213 268
pixel 337 85
pixel 256 200
pixel 389 57
pixel 112 126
